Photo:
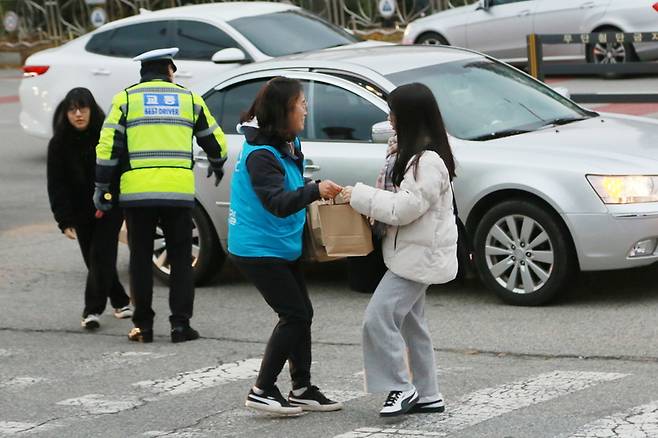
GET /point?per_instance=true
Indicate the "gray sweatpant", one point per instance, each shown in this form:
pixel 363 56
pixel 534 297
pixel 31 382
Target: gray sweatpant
pixel 394 323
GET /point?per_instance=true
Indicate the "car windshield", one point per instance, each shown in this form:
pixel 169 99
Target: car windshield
pixel 285 33
pixel 482 100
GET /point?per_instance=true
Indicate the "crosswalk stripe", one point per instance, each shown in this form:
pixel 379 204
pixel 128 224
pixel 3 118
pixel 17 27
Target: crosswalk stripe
pixel 12 427
pixel 98 404
pixel 20 382
pixel 638 422
pixel 182 383
pixel 492 402
pixel 17 427
pixel 342 396
pixel 203 378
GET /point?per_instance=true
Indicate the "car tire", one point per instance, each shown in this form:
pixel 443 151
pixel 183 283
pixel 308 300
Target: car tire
pixel 207 254
pixel 523 253
pixel 610 53
pixel 432 39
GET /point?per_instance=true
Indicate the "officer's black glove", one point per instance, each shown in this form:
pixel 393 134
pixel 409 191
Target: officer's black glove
pixel 217 167
pixel 102 197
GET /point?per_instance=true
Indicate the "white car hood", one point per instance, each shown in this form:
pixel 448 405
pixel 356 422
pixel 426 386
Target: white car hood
pixel 608 144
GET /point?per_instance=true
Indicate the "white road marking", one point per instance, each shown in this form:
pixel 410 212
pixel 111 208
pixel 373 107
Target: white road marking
pixel 488 403
pixel 116 359
pixel 20 382
pixel 16 427
pixel 638 422
pixel 182 434
pixel 343 396
pixel 13 427
pixel 97 404
pixel 203 378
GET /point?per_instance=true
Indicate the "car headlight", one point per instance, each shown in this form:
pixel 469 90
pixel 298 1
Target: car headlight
pixel 625 189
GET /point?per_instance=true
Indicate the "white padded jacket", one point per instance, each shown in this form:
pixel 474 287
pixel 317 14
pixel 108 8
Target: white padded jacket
pixel 421 240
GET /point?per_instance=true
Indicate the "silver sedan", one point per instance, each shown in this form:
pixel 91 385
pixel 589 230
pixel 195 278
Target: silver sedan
pixel 544 186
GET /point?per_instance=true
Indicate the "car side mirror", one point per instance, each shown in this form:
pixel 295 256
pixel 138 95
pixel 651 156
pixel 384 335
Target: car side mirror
pixel 231 55
pixel 382 131
pixel 483 5
pixel 563 91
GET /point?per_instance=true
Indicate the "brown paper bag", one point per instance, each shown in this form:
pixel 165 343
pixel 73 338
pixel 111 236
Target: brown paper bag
pixel 313 247
pixel 345 232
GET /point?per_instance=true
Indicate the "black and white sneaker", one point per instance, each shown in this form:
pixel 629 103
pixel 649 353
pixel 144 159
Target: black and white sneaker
pixel 313 400
pixel 90 322
pixel 430 407
pixel 272 402
pixel 399 402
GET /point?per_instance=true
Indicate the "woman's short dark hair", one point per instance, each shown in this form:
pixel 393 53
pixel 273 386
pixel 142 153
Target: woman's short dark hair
pixel 74 99
pixel 419 127
pixel 272 108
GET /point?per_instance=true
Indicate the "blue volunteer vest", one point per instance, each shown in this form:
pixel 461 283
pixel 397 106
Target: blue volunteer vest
pixel 252 230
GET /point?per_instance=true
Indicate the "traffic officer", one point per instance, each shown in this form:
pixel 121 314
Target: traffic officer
pixel 147 136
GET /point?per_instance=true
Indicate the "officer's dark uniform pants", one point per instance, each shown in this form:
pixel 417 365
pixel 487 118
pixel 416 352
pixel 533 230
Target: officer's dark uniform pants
pixel 282 285
pixel 176 223
pixel 98 242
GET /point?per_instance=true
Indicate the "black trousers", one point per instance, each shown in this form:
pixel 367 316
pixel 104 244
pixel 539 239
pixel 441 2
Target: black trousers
pixel 98 243
pixel 282 285
pixel 176 223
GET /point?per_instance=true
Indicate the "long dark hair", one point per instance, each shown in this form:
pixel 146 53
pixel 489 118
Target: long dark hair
pixel 77 98
pixel 272 107
pixel 419 128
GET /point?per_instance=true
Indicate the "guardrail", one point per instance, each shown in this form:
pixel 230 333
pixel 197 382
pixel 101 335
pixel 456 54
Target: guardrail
pixel 538 68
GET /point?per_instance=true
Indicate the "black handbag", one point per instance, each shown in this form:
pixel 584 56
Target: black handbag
pixel 365 273
pixel 465 256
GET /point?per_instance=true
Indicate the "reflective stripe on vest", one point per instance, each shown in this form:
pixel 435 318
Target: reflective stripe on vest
pixel 159 124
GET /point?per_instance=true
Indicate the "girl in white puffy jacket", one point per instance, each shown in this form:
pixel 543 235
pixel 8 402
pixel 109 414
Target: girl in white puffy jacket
pixel 419 249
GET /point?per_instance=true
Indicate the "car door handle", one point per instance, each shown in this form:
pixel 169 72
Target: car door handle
pixel 101 72
pixel 587 5
pixel 183 74
pixel 524 13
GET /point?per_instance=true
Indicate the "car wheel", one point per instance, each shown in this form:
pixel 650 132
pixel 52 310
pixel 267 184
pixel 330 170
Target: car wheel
pixel 611 52
pixel 207 254
pixel 432 39
pixel 523 253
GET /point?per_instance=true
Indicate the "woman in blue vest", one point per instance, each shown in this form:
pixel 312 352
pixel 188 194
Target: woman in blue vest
pixel 269 195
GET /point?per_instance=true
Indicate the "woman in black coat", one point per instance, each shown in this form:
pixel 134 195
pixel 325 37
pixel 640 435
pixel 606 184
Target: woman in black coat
pixel 71 173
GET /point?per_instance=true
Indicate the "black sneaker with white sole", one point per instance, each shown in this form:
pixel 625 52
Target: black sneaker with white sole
pixel 431 407
pixel 399 402
pixel 313 400
pixel 272 402
pixel 90 322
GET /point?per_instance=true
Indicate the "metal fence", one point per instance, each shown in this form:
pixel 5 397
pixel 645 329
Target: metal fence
pixel 54 22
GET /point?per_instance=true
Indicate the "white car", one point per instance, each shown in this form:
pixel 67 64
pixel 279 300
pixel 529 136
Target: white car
pixel 499 28
pixel 212 38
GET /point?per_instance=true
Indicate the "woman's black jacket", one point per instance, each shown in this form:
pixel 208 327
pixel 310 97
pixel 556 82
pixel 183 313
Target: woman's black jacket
pixel 71 176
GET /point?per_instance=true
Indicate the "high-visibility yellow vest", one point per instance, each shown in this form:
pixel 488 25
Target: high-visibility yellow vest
pixel 159 135
pixel 148 135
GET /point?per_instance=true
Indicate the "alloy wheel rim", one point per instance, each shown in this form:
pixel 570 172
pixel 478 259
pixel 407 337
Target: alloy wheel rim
pixel 160 258
pixel 431 42
pixel 609 53
pixel 519 254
